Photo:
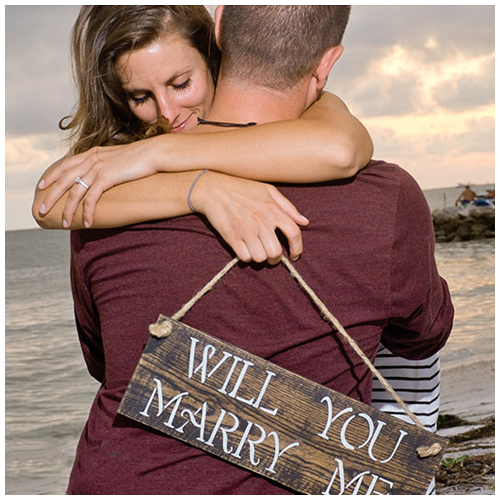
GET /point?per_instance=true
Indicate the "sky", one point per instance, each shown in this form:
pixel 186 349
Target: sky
pixel 421 79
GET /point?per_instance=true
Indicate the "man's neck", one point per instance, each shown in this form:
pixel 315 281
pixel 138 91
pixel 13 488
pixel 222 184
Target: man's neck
pixel 239 104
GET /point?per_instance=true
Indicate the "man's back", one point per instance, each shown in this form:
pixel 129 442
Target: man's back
pixel 368 255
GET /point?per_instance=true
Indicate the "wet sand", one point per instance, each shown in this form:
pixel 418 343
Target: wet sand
pixel 468 393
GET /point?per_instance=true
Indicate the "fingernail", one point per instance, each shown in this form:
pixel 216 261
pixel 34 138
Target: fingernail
pixel 295 259
pixel 305 219
pixel 43 208
pixel 65 223
pixel 41 184
pixel 86 224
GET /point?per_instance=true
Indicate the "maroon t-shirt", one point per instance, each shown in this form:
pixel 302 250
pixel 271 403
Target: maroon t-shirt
pixel 369 256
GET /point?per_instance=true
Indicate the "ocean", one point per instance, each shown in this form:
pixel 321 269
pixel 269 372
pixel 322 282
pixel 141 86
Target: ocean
pixel 48 391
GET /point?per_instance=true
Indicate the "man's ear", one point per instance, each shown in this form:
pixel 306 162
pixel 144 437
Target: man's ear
pixel 325 65
pixel 218 24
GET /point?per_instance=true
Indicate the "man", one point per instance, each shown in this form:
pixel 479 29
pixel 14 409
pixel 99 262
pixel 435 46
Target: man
pixel 373 267
pixel 467 196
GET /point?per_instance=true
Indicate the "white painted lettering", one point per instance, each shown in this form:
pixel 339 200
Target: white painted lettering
pixel 224 430
pixel 262 392
pixel 402 434
pixel 230 374
pixel 176 401
pixel 157 391
pixel 331 418
pixel 371 489
pixel 192 356
pixel 343 438
pixel 251 443
pixel 198 424
pixel 342 486
pixel 208 352
pixel 233 393
pixel 277 452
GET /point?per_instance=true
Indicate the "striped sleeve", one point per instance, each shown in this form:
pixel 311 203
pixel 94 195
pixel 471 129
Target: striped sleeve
pixel 416 382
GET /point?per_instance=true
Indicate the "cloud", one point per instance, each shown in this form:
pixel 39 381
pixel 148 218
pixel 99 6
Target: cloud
pixel 413 59
pixel 400 94
pixel 478 138
pixel 441 159
pixel 26 157
pixel 452 28
pixel 475 135
pixel 38 80
pixel 474 89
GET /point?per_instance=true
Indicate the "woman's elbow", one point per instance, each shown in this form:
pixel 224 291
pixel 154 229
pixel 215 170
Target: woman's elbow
pixel 45 221
pixel 349 158
pixel 42 220
pixel 360 157
pixel 35 212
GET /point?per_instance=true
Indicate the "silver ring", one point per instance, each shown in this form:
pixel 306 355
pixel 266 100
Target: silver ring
pixel 79 181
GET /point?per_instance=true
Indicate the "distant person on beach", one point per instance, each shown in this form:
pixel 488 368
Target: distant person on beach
pixel 467 196
pixel 117 296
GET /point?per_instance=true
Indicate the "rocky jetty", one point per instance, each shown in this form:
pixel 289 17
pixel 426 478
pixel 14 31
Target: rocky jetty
pixel 467 419
pixel 468 466
pixel 464 224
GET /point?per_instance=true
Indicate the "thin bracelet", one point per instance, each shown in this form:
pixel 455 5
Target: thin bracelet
pixel 192 187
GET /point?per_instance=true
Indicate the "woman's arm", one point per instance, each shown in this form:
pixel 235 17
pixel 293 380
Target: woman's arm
pixel 245 213
pixel 326 143
pixel 149 198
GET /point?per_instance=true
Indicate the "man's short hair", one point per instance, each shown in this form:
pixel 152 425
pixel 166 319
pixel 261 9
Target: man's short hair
pixel 276 46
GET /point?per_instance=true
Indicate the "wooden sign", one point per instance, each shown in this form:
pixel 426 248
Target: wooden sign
pixel 273 422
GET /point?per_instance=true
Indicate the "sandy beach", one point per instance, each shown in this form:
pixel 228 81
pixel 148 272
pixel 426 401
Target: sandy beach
pixel 468 393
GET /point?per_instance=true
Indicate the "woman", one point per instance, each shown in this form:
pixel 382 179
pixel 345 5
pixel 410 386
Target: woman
pixel 328 133
pixel 128 126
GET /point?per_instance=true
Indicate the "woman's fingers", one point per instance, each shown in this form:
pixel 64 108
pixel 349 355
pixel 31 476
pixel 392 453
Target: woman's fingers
pixel 75 196
pixel 287 206
pixel 62 169
pixel 251 240
pixel 61 177
pixel 241 250
pixel 293 234
pixel 261 240
pixel 92 197
pixel 247 215
pixel 65 183
pixel 261 249
pixel 52 173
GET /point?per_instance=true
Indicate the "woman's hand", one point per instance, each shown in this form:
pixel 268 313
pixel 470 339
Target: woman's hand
pixel 247 214
pixel 100 168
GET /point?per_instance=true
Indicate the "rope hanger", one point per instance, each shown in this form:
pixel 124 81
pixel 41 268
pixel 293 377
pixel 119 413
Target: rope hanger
pixel 164 329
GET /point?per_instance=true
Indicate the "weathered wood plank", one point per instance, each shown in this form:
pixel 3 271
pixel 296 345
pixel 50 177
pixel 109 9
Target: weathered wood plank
pixel 271 421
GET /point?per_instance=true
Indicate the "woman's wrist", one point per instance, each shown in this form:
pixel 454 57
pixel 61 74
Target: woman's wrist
pixel 190 192
pixel 156 154
pixel 197 195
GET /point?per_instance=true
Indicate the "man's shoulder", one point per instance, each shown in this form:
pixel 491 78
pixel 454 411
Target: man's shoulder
pixel 403 192
pixel 388 169
pixel 391 174
pixel 380 182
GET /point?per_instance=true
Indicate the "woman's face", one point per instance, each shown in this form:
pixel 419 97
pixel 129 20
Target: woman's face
pixel 167 78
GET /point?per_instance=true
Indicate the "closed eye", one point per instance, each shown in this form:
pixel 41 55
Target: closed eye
pixel 137 101
pixel 183 86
